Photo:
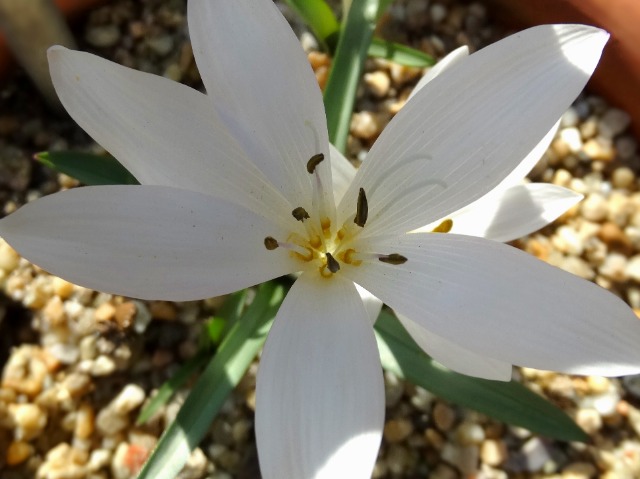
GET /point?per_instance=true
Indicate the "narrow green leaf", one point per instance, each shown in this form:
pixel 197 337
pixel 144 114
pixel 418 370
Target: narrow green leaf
pixel 340 93
pixel 222 374
pixel 232 308
pixel 401 54
pixel 216 327
pixel 510 402
pixel 87 168
pixel 172 385
pixel 317 14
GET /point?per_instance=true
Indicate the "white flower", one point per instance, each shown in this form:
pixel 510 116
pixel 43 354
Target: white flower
pixel 229 178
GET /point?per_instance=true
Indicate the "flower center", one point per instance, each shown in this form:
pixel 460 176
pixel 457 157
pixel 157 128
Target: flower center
pixel 322 247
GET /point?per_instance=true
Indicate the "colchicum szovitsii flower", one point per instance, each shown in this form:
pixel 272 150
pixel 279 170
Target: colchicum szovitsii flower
pixel 241 185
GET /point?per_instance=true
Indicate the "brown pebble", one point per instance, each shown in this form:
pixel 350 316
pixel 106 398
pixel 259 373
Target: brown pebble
pixel 443 416
pixel 77 384
pixel 397 430
pixel 615 239
pixel 18 452
pixel 125 313
pixel 105 312
pixel 538 249
pixel 85 421
pixel 53 312
pixel 163 310
pixel 61 287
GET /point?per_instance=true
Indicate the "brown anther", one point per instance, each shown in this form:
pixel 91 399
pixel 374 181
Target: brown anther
pixel 362 211
pixel 332 264
pixel 300 214
pixel 270 243
pixel 314 161
pixel 393 258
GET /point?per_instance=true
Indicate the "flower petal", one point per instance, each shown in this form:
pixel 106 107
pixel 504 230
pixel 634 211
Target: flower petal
pixel 163 132
pixel 263 87
pixel 452 356
pixel 502 303
pixel 372 305
pixel 512 213
pixel 150 242
pixel 319 393
pixel 342 173
pixel 470 127
pixel 451 59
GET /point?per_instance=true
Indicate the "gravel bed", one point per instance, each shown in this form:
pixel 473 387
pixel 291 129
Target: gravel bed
pixel 77 365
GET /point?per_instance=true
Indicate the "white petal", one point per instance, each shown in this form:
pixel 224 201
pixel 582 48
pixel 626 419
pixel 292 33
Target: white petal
pixel 319 393
pixel 262 85
pixel 150 242
pixel 529 161
pixel 512 213
pixel 471 126
pixel 342 173
pixel 372 305
pixel 502 303
pixel 452 356
pixel 452 58
pixel 163 132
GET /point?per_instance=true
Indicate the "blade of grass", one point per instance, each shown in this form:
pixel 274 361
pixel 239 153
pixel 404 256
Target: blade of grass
pixel 340 93
pixel 87 168
pixel 510 402
pixel 222 374
pixel 401 54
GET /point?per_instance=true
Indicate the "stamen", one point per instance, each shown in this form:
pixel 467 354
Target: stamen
pixel 362 211
pixel 443 227
pixel 300 214
pixel 332 264
pixel 314 161
pixel 302 252
pixel 270 243
pixel 393 258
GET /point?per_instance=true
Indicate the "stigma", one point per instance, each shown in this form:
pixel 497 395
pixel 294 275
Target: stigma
pixel 322 246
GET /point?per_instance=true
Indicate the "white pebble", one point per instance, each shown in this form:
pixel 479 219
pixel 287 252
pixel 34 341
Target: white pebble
pixel 570 118
pixel 633 268
pixel 102 366
pixel 536 454
pixel 571 137
pixel 623 177
pixel 594 207
pixel 129 398
pixel 613 122
pixel 614 267
pixel 438 13
pixel 589 420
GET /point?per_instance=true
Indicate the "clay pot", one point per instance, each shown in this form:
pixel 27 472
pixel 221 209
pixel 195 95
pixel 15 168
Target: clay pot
pixel 70 8
pixel 617 77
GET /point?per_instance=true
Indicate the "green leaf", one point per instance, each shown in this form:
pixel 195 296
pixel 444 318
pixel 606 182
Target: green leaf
pixel 340 93
pixel 172 385
pixel 232 308
pixel 510 402
pixel 88 168
pixel 222 374
pixel 216 327
pixel 401 54
pixel 317 14
pixel 384 4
